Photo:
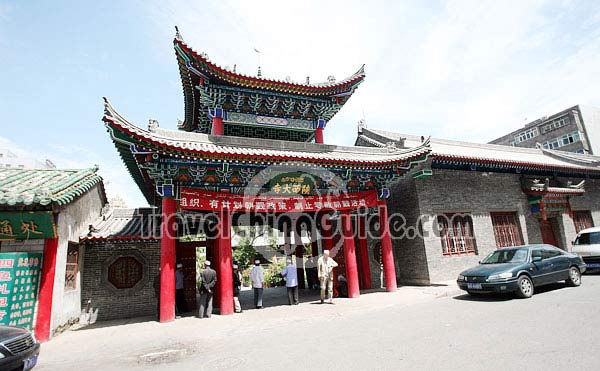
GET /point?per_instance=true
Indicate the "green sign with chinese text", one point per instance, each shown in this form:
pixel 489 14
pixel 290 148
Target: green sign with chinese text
pixel 26 225
pixel 19 283
pixel 292 184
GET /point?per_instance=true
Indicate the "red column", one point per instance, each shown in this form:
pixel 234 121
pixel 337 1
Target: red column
pixel 319 136
pixel 389 267
pixel 225 272
pixel 217 126
pixel 215 265
pixel 167 260
pixel 350 255
pixel 365 268
pixel 44 312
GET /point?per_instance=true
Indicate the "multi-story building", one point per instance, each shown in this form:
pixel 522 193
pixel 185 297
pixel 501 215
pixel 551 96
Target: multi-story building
pixel 576 129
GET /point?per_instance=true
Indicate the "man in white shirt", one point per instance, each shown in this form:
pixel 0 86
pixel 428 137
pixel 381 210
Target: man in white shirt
pixel 257 276
pixel 325 266
pixel 291 281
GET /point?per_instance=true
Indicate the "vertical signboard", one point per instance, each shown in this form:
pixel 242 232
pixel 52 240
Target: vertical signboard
pixel 19 283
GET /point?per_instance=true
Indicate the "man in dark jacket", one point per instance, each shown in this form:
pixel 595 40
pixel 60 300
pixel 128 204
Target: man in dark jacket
pixel 209 280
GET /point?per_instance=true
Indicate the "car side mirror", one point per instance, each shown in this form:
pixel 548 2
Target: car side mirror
pixel 536 259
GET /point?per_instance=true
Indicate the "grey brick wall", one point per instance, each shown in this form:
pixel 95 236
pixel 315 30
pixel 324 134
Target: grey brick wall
pixel 108 302
pixel 409 249
pixel 477 193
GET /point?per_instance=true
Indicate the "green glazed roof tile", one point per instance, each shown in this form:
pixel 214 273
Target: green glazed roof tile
pixel 45 186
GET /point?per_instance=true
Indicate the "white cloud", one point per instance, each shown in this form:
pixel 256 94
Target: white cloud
pixel 117 180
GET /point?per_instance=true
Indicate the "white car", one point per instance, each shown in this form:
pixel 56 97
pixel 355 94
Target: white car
pixel 587 245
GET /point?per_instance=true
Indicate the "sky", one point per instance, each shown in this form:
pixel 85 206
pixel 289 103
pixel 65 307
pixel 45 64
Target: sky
pixel 465 70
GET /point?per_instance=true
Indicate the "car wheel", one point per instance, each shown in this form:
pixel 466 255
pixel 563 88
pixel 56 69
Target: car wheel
pixel 525 287
pixel 574 277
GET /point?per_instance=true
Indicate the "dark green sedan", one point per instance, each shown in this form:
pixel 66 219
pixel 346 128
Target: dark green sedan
pixel 520 269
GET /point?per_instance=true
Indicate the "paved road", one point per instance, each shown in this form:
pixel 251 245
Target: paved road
pixel 555 329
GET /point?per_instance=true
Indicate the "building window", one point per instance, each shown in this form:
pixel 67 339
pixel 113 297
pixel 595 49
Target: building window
pixel 526 135
pixel 507 229
pixel 72 266
pixel 563 140
pixel 456 233
pixel 582 220
pixel 125 272
pixel 555 124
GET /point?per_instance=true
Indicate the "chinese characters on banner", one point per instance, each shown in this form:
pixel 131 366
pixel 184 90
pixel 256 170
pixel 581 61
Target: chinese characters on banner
pixel 19 282
pixel 193 199
pixel 26 225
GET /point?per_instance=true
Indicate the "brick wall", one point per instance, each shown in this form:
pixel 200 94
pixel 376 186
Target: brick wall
pixel 107 302
pixel 421 260
pixel 409 248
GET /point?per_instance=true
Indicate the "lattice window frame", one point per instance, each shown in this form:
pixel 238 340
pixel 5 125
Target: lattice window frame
pixel 582 219
pixel 507 229
pixel 457 234
pixel 72 267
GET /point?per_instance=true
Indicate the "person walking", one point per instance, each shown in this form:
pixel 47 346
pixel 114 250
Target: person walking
pixel 257 276
pixel 291 281
pixel 209 280
pixel 325 266
pixel 237 286
pixel 179 293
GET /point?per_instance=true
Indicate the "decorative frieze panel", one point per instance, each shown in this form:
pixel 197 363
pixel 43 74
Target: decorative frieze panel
pixel 245 118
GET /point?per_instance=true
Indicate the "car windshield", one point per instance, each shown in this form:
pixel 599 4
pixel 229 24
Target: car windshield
pixel 591 238
pixel 506 256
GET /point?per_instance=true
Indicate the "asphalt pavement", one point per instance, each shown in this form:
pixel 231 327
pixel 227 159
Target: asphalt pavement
pixel 415 328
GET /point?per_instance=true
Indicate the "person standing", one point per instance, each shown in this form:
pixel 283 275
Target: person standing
pixel 291 281
pixel 237 286
pixel 179 293
pixel 209 280
pixel 257 276
pixel 325 266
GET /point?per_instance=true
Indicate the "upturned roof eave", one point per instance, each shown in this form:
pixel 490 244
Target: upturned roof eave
pixel 240 80
pixel 117 122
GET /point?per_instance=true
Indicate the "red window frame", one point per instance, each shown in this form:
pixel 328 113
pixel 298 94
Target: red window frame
pixel 507 229
pixel 456 234
pixel 582 220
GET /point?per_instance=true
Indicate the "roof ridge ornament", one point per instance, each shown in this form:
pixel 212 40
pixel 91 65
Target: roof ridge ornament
pixel 152 125
pixel 361 124
pixel 178 34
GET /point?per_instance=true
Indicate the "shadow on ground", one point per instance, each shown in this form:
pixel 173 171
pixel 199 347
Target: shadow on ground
pixel 504 297
pixel 112 323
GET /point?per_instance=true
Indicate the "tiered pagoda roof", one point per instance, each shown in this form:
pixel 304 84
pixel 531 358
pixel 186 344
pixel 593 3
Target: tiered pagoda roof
pixel 138 146
pixel 207 86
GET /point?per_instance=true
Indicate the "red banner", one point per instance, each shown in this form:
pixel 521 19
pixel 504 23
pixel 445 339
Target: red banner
pixel 194 199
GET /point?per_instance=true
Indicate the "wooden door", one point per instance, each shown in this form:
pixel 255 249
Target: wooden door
pixel 186 255
pixel 548 234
